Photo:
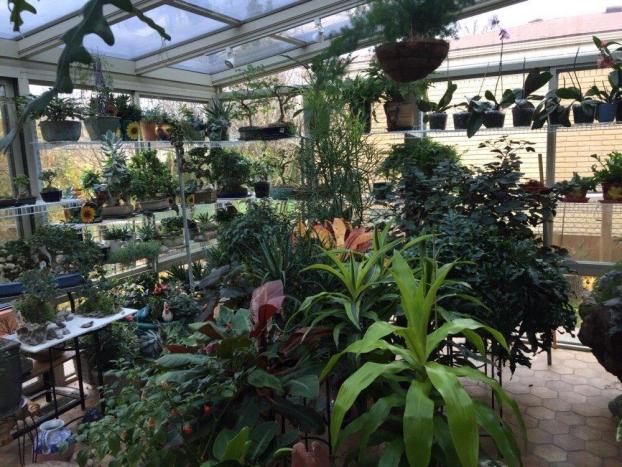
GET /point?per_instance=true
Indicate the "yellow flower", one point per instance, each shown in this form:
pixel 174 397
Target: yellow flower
pixel 190 200
pixel 87 214
pixel 133 131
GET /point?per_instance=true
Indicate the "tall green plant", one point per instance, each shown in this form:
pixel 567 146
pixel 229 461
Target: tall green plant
pixel 439 421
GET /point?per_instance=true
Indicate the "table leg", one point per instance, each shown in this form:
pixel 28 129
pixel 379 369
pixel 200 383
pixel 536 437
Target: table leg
pixel 79 371
pixel 72 302
pixel 100 373
pixel 53 381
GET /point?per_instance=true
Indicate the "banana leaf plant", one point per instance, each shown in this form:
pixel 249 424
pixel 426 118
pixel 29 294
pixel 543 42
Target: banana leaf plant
pixel 421 410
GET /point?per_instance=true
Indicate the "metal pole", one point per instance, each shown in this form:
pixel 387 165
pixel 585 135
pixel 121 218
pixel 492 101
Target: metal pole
pixel 551 149
pixel 179 154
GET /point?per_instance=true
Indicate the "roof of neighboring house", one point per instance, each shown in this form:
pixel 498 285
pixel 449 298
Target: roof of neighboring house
pixel 536 30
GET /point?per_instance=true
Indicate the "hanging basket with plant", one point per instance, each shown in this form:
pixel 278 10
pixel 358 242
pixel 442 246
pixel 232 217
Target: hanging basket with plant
pixel 60 120
pixel 411 34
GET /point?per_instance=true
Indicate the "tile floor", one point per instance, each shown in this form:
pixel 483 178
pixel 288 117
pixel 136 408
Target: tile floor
pixel 564 407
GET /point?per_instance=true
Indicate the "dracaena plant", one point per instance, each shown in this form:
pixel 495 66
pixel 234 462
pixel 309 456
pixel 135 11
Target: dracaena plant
pixel 432 418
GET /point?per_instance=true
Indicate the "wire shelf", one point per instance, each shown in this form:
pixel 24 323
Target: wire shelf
pixel 40 207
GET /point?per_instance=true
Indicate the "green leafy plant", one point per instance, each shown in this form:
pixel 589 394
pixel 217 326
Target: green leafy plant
pixel 60 109
pixel 155 115
pixel 48 177
pixel 444 103
pixel 438 421
pixel 150 177
pixel 174 225
pixel 230 169
pixel 91 182
pixel 115 174
pixel 576 184
pixel 117 233
pixel 40 292
pixel 22 185
pixel 608 170
pixel 534 81
pixel 392 91
pixel 551 107
pixel 219 116
pixel 135 251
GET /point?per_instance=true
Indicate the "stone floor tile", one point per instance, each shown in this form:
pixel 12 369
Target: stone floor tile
pixel 528 400
pixel 555 427
pixel 541 413
pixel 561 369
pixel 600 422
pixel 539 436
pixel 550 453
pixel 544 392
pixel 570 418
pixel 587 390
pixel 584 459
pixel 569 442
pixel 558 405
pixel 601 448
pixel 572 397
pixel 590 410
pixel 574 379
pixel 559 386
pixel 613 462
pixel 586 433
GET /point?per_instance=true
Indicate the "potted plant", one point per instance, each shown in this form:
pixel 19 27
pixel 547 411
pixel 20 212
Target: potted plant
pixel 151 182
pixel 575 190
pixel 206 225
pixel 606 101
pixel 232 171
pixel 192 126
pixel 361 92
pixel 61 120
pixel 461 119
pixel 102 115
pixel 523 110
pixel 172 230
pixel 608 173
pixel 8 199
pixel 197 162
pixel 583 106
pixel 411 33
pixel 22 186
pixel 400 105
pixel 93 187
pixel 219 115
pixel 49 193
pixel 551 109
pixel 130 115
pixel 261 172
pixel 115 237
pixel 35 307
pixel 436 112
pixel 610 57
pixel 116 178
pixel 15 258
pixel 149 123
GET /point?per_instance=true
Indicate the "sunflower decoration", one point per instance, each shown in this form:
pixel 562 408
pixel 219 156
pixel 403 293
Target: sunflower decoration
pixel 190 199
pixel 133 131
pixel 88 214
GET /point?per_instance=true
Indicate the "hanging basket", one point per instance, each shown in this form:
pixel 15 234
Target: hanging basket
pixel 412 60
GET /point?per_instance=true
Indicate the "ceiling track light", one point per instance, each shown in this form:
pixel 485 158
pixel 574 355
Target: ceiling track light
pixel 319 31
pixel 229 58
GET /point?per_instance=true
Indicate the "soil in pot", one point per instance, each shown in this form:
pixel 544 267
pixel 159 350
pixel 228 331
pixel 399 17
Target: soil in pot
pixel 606 112
pixel 522 115
pixel 494 119
pixel 612 192
pixel 239 192
pixel 580 116
pixel 262 189
pixel 98 126
pixel 68 130
pixel 149 131
pixel 411 60
pixel 437 120
pixel 461 120
pixel 51 196
pixel 576 196
pixel 400 115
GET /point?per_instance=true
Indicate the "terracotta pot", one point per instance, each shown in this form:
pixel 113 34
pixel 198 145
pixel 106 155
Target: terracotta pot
pixel 612 192
pixel 412 60
pixel 400 115
pixel 149 131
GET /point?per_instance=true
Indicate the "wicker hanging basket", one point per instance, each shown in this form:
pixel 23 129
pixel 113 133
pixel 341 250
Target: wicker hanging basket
pixel 412 60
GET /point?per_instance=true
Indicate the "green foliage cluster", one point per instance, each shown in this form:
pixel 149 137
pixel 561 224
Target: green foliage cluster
pixel 36 305
pixel 150 178
pixel 230 169
pixel 60 109
pixel 135 251
pixel 609 169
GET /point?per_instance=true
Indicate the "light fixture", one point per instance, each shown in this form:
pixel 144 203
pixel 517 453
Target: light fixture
pixel 319 31
pixel 229 58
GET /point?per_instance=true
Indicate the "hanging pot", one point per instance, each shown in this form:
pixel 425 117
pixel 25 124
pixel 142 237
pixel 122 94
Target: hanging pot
pixel 68 130
pixel 11 370
pixel 522 114
pixel 461 120
pixel 581 116
pixel 411 60
pixel 149 131
pixel 612 192
pixel 606 112
pixel 400 115
pixel 494 119
pixel 437 120
pixel 98 126
pixel 262 189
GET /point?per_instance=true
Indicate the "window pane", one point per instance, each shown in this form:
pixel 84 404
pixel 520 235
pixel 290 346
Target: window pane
pixel 47 10
pixel 244 54
pixel 134 38
pixel 332 24
pixel 243 9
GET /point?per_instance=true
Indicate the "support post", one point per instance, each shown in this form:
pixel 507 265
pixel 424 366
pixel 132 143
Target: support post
pixel 179 156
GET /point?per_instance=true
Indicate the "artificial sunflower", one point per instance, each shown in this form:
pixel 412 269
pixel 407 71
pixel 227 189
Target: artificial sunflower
pixel 133 131
pixel 190 199
pixel 87 214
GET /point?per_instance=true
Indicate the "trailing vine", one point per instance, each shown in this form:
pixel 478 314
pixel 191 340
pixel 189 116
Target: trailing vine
pixel 93 22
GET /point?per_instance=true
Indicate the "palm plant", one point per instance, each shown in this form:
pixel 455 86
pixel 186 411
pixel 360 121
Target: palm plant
pixel 439 420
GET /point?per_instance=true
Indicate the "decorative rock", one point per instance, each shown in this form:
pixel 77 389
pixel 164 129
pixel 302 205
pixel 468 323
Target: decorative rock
pixel 65 331
pixel 88 324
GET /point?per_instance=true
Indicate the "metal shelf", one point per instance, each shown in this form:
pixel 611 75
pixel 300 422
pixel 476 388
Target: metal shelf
pixel 40 207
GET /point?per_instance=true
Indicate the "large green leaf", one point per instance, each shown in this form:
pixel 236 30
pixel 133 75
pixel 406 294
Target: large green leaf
pixel 261 436
pixel 238 446
pixel 460 413
pixel 353 386
pixel 306 386
pixel 179 360
pixel 457 326
pixel 262 379
pixel 392 454
pixel 490 421
pixel 304 418
pixel 418 424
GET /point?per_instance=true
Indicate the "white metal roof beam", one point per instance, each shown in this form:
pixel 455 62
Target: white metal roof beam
pixel 267 25
pixel 50 37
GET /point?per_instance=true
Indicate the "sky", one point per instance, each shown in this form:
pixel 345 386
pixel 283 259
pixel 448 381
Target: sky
pixel 530 10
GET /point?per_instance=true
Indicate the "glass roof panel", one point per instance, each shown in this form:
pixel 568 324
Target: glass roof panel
pixel 134 38
pixel 332 25
pixel 243 9
pixel 47 11
pixel 243 54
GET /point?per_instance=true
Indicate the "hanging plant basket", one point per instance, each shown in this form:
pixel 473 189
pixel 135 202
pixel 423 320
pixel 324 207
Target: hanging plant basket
pixel 412 60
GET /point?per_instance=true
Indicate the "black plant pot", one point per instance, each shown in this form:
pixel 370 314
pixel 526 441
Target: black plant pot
pixel 51 196
pixel 606 113
pixel 461 120
pixel 25 201
pixel 494 119
pixel 7 202
pixel 262 189
pixel 619 110
pixel 437 120
pixel 581 116
pixel 11 370
pixel 522 115
pixel 238 192
pixel 266 133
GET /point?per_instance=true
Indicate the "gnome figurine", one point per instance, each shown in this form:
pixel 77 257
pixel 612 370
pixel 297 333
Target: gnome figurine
pixel 167 315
